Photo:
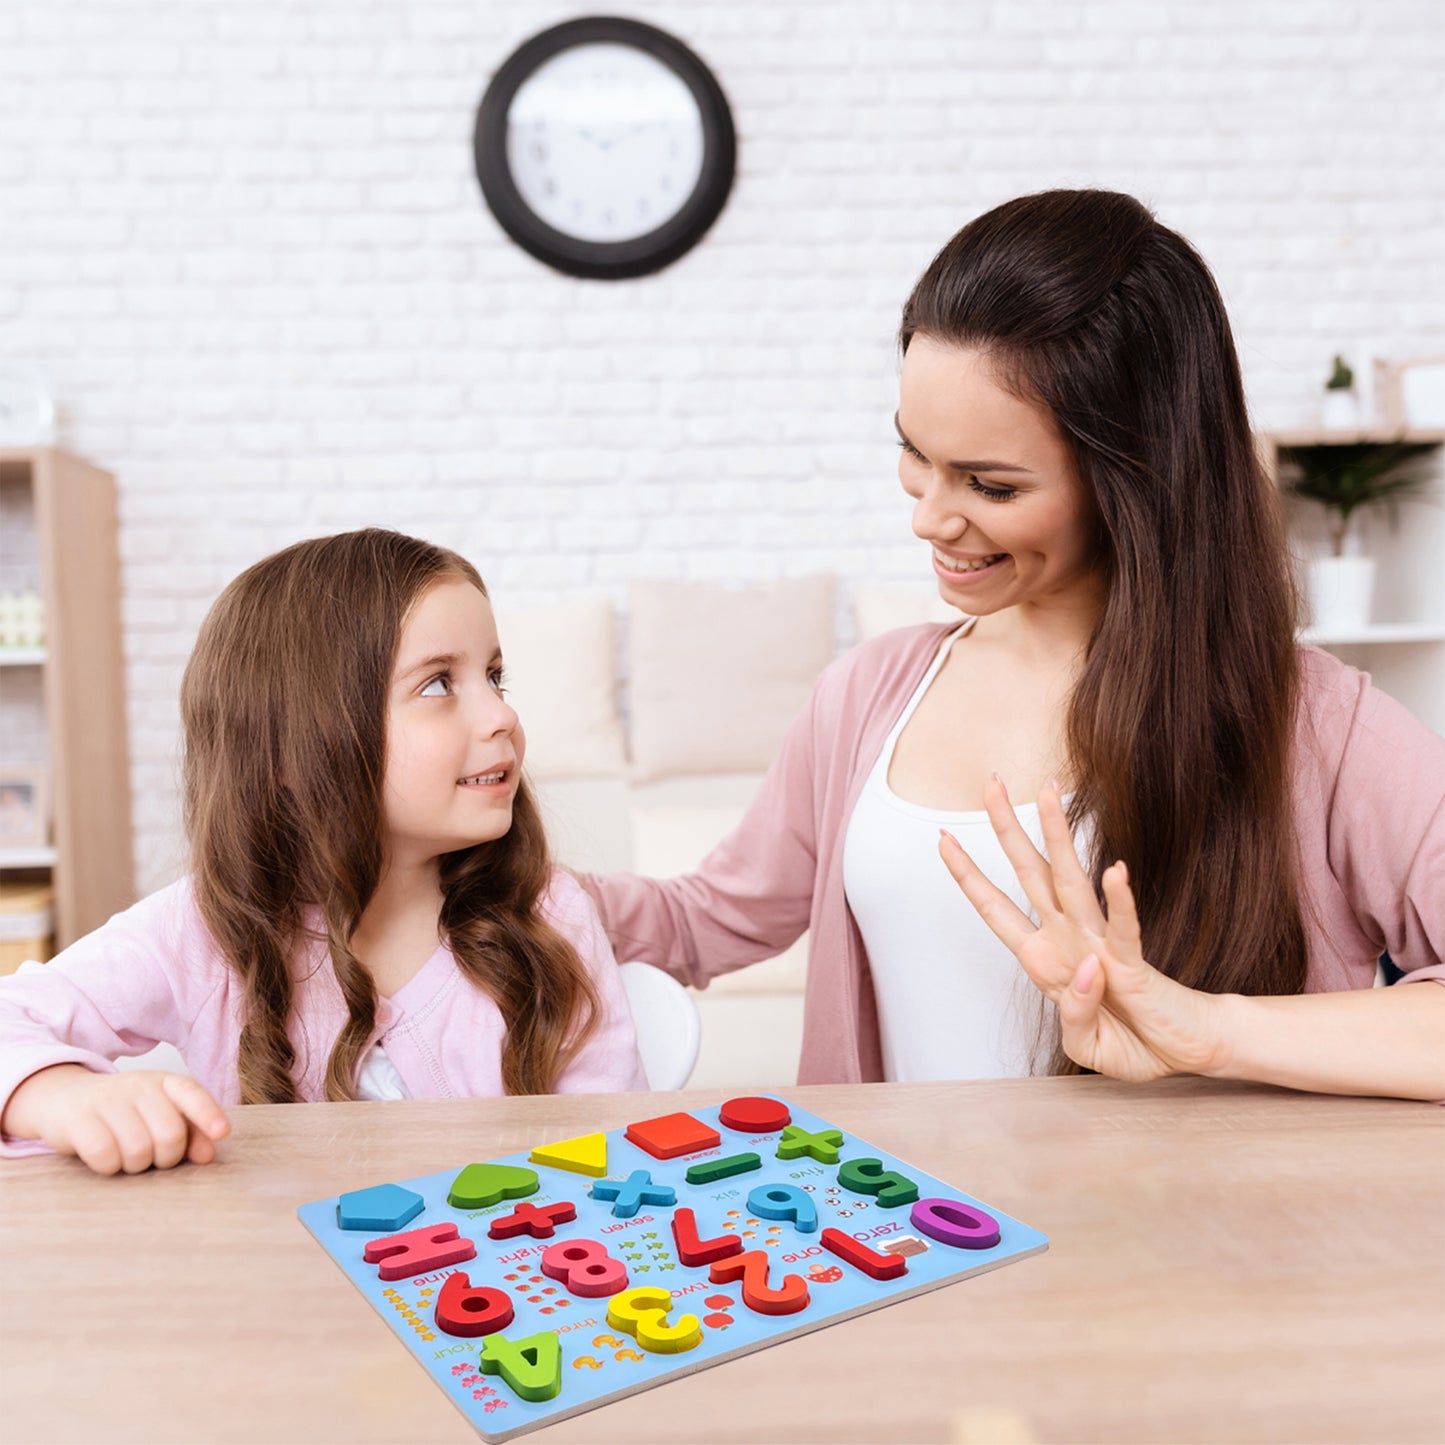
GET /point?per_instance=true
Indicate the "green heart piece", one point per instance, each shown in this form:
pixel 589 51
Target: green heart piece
pixel 480 1185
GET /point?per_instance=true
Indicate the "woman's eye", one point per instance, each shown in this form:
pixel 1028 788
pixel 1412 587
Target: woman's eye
pixel 994 494
pixel 439 686
pixel 911 452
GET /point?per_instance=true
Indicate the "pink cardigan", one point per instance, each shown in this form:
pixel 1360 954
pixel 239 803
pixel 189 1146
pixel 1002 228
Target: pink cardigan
pixel 1369 808
pixel 153 974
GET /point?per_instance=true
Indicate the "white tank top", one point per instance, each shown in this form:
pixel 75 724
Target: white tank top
pixel 953 1002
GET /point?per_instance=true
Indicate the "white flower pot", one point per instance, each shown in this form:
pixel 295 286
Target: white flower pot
pixel 1340 411
pixel 1340 589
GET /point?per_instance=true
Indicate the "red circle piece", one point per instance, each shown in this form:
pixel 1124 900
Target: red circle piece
pixel 754 1115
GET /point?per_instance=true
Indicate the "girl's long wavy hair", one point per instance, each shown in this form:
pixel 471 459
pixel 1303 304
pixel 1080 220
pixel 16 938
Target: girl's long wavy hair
pixel 284 707
pixel 1179 729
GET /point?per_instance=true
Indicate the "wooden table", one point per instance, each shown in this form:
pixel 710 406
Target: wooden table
pixel 1227 1262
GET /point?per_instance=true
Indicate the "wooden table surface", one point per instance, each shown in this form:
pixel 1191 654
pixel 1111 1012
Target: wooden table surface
pixel 1227 1262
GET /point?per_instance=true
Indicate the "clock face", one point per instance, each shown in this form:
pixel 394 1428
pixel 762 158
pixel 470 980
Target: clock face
pixel 605 147
pixel 604 142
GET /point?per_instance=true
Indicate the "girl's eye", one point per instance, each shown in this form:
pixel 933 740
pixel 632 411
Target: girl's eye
pixel 498 678
pixel 439 686
pixel 994 494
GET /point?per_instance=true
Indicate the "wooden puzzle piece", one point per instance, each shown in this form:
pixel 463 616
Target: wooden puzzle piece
pixel 711 1170
pixel 670 1135
pixel 860 1256
pixel 479 1186
pixel 785 1201
pixel 643 1311
pixel 462 1310
pixel 532 1367
pixel 868 1176
pixel 417 1251
pixel 584 1268
pixel 630 1194
pixel 752 1269
pixel 797 1143
pixel 382 1207
pixel 953 1223
pixel 693 1251
pixel 540 1221
pixel 754 1114
pixel 586 1154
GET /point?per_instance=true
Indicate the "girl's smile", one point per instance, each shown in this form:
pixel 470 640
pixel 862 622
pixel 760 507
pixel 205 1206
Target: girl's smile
pixel 454 746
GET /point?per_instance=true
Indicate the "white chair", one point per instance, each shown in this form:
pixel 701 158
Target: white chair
pixel 669 1032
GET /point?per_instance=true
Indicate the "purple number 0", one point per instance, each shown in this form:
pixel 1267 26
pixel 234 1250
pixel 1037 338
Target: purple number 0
pixel 955 1224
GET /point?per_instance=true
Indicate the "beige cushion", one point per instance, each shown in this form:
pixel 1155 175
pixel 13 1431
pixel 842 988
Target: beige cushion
pixel 668 840
pixel 877 610
pixel 562 680
pixel 717 673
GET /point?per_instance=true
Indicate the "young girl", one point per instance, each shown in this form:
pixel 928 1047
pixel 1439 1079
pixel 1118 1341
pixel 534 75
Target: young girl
pixel 1236 827
pixel 370 911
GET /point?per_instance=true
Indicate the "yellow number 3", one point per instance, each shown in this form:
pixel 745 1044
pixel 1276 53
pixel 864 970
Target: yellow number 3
pixel 643 1311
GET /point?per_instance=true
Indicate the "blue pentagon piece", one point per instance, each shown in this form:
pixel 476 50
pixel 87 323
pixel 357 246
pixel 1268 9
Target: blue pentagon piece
pixel 383 1206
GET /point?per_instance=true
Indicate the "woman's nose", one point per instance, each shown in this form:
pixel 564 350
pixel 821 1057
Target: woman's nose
pixel 935 518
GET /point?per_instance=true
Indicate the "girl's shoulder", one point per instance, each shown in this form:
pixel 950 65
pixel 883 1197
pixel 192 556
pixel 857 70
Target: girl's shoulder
pixel 564 903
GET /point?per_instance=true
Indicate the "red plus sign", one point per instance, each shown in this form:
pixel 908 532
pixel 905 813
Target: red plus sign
pixel 529 1219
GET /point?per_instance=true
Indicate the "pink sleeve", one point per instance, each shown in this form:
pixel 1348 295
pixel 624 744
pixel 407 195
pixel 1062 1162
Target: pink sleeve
pixel 112 993
pixel 1387 827
pixel 751 897
pixel 608 1062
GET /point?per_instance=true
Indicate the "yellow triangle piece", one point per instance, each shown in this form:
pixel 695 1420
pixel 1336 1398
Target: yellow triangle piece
pixel 584 1155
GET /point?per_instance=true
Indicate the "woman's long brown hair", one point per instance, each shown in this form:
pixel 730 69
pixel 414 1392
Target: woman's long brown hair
pixel 283 708
pixel 1180 726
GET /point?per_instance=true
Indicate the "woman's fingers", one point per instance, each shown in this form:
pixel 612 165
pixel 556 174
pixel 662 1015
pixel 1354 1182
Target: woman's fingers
pixel 1003 916
pixel 1079 1006
pixel 1074 887
pixel 1123 926
pixel 1031 867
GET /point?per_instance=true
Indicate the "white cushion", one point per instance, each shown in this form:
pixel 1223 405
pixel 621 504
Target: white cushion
pixel 717 673
pixel 562 680
pixel 877 610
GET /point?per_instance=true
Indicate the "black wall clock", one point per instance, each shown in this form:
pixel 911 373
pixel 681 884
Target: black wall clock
pixel 605 147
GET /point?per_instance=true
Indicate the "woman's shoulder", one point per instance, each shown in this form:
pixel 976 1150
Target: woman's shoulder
pixel 892 660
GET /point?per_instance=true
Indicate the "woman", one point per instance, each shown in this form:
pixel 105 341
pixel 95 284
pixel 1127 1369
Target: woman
pixel 1238 826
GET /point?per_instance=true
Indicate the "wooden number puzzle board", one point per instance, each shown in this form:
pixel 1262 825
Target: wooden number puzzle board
pixel 537 1286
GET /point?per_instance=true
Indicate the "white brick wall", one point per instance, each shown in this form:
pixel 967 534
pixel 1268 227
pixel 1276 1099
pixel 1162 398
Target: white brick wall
pixel 244 239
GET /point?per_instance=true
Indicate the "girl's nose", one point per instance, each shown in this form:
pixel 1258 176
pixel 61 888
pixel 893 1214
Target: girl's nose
pixel 498 717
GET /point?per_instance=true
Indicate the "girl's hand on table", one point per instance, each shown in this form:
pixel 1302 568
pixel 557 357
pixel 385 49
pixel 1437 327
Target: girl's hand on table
pixel 118 1122
pixel 1118 1015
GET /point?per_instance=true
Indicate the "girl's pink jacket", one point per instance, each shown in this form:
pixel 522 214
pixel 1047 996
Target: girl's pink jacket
pixel 153 974
pixel 1369 808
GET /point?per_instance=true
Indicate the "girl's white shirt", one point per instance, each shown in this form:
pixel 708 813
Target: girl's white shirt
pixel 378 1079
pixel 953 1002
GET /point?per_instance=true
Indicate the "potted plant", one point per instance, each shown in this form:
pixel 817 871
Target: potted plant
pixel 1344 478
pixel 1340 410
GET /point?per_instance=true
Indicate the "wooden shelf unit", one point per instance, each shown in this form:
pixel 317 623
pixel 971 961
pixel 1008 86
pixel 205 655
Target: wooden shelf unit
pixel 1405 653
pixel 90 861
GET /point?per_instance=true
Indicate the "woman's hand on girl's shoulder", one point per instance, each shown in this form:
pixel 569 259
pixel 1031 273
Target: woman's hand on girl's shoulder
pixel 1118 1014
pixel 127 1121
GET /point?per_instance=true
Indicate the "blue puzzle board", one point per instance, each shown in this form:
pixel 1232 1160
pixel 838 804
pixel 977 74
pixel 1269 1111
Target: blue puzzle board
pixel 600 1362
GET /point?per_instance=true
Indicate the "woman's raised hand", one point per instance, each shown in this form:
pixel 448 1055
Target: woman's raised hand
pixel 1118 1015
